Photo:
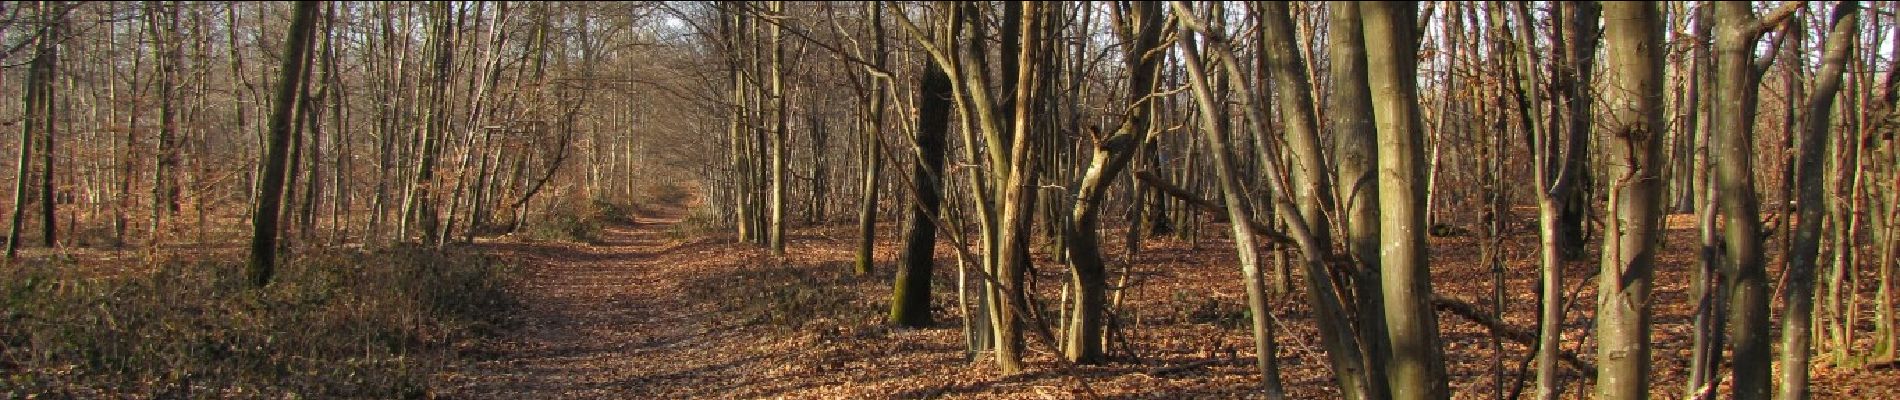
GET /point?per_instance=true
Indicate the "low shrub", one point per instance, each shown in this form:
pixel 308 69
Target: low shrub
pixel 579 221
pixel 783 296
pixel 333 325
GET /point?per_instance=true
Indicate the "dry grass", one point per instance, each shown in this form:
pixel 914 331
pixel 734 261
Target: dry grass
pixel 334 325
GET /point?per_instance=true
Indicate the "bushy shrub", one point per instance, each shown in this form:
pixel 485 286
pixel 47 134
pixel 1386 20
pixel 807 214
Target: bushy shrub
pixel 333 325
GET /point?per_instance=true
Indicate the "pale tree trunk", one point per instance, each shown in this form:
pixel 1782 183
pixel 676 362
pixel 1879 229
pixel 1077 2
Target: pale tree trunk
pixel 1797 323
pixel 1633 128
pixel 1018 197
pixel 776 231
pixel 270 191
pixel 420 202
pixel 1417 370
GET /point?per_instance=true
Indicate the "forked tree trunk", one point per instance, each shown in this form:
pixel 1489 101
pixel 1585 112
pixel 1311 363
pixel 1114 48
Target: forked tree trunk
pixel 1355 144
pixel 1736 33
pixel 1112 154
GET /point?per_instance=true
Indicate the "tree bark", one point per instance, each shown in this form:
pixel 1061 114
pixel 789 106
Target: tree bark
pixel 1356 148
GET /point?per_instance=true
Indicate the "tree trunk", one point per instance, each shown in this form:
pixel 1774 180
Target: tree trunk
pixel 270 193
pixel 910 297
pixel 1797 323
pixel 52 15
pixel 776 231
pixel 1417 370
pixel 1355 146
pixel 1307 202
pixel 1736 34
pixel 1633 126
pixel 36 121
pixel 1112 154
pixel 872 126
pixel 1018 194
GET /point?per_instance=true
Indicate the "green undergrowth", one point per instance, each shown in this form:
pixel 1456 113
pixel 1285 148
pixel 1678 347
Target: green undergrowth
pixel 333 325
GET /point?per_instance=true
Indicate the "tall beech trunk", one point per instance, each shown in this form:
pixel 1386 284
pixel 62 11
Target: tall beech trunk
pixel 1417 369
pixel 1633 126
pixel 46 58
pixel 1017 189
pixel 1355 145
pixel 1305 204
pixel 38 120
pixel 1736 33
pixel 775 231
pixel 872 125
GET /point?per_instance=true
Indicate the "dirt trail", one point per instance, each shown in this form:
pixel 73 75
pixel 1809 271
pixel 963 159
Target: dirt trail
pixel 606 320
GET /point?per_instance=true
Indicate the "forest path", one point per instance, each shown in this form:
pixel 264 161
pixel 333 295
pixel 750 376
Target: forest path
pixel 603 320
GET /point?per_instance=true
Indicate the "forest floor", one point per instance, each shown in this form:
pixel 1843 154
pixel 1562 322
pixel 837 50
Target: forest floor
pixel 660 309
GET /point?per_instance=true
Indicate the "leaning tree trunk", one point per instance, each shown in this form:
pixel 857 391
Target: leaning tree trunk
pixel 1417 370
pixel 1633 127
pixel 1306 203
pixel 270 191
pixel 1797 324
pixel 1239 209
